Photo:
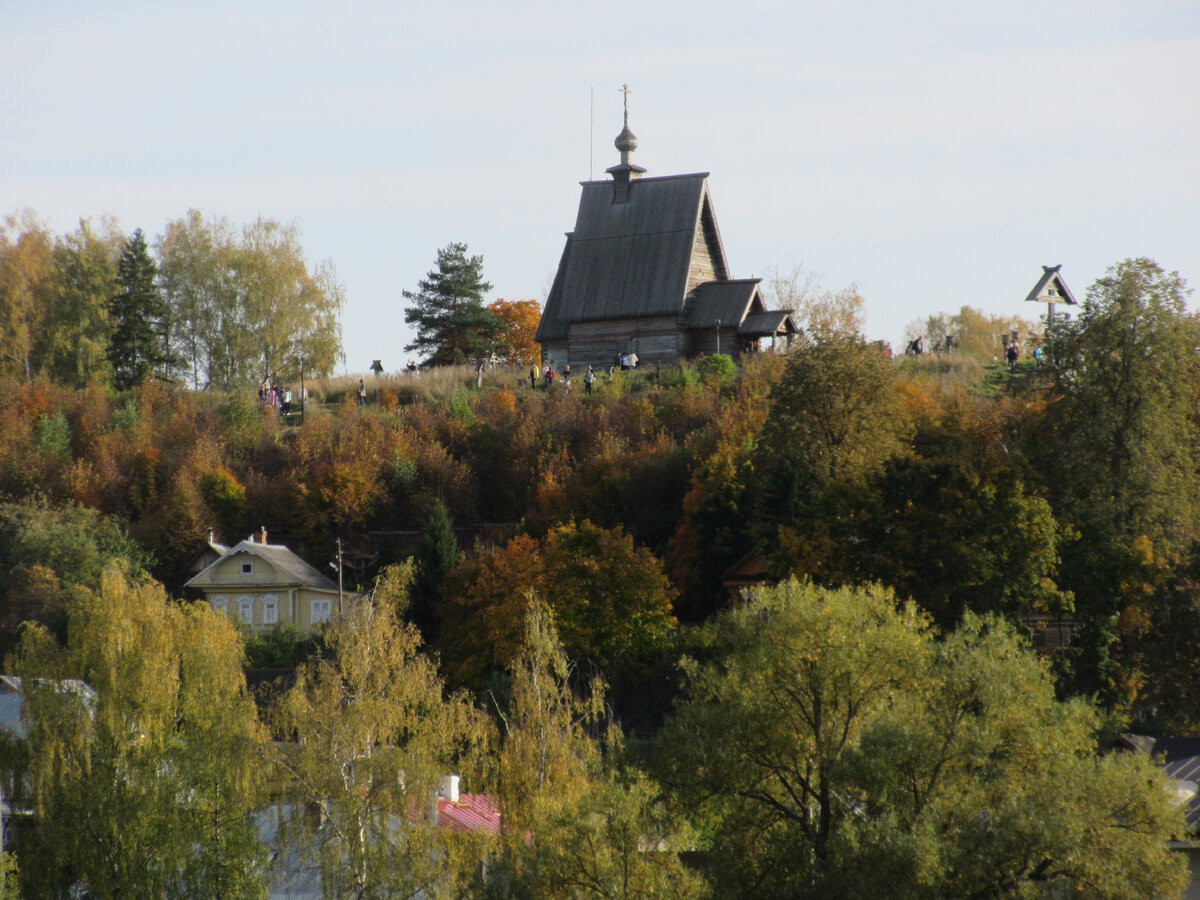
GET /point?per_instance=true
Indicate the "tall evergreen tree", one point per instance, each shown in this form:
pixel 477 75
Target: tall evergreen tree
pixel 139 313
pixel 436 555
pixel 453 326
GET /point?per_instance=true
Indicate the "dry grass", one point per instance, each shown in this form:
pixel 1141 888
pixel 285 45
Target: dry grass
pixel 439 383
pixel 949 370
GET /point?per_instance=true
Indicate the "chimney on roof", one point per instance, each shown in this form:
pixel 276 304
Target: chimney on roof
pixel 262 534
pixel 626 172
pixel 449 789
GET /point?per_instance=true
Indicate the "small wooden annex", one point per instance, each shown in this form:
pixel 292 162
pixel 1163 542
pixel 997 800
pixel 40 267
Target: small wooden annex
pixel 644 272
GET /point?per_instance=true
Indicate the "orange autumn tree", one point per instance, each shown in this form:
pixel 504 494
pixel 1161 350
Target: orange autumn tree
pixel 611 599
pixel 520 318
pixel 484 607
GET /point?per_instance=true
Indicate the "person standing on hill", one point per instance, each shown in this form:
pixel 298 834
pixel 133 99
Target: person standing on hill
pixel 1012 353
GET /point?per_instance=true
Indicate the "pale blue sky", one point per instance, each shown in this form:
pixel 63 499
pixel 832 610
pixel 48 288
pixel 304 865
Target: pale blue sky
pixel 935 153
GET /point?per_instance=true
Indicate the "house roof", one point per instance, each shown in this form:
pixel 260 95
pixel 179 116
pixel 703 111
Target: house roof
pixel 632 259
pixel 12 699
pixel 727 302
pixel 291 569
pixel 471 812
pixel 752 569
pixel 1051 288
pixel 768 322
pixel 1179 758
pixel 295 875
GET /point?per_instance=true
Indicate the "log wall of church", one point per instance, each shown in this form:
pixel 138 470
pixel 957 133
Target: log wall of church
pixel 654 340
pixel 554 353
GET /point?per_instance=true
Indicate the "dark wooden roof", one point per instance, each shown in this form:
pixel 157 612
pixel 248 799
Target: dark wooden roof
pixel 749 571
pixel 632 259
pixel 726 301
pixel 768 322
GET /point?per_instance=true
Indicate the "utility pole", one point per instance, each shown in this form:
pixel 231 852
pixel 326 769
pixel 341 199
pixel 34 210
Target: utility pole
pixel 303 393
pixel 339 546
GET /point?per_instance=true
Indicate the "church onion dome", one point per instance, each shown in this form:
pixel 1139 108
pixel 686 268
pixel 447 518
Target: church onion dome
pixel 626 141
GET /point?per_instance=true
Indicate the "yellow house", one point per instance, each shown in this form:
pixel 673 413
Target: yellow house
pixel 262 585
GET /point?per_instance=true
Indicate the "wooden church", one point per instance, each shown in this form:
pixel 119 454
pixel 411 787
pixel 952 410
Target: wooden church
pixel 644 272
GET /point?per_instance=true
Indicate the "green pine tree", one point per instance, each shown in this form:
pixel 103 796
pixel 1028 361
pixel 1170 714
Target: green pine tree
pixel 138 347
pixel 436 555
pixel 453 326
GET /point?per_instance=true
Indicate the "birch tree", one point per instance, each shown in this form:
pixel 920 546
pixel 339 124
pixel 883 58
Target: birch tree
pixel 374 736
pixel 145 756
pixel 247 304
pixel 577 824
pixel 26 288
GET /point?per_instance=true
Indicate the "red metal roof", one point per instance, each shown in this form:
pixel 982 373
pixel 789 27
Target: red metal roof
pixel 472 812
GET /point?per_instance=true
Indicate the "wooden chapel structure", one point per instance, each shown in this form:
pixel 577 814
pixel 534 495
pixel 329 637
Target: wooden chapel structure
pixel 644 272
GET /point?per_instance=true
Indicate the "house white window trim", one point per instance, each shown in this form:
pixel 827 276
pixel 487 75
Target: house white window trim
pixel 220 603
pixel 246 609
pixel 321 611
pixel 247 567
pixel 270 609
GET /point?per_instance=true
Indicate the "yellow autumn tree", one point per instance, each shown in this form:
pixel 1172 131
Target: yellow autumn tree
pixel 374 735
pixel 144 752
pixel 576 822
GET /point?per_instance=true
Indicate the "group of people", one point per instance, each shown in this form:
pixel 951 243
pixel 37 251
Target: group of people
pixel 1012 350
pixel 549 376
pixel 1012 355
pixel 276 397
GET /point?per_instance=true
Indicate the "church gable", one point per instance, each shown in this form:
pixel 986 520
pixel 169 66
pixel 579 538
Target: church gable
pixel 708 256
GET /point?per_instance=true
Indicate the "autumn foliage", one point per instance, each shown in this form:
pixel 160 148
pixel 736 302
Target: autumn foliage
pixel 624 509
pixel 520 318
